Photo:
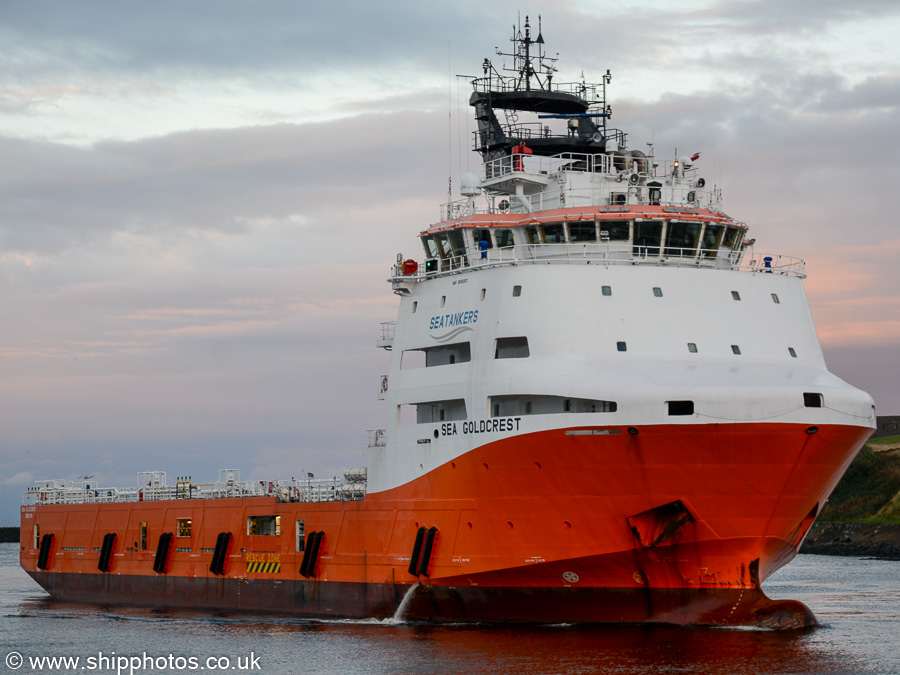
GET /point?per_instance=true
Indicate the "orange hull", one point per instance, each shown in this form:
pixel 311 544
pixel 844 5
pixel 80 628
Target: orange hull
pixel 676 523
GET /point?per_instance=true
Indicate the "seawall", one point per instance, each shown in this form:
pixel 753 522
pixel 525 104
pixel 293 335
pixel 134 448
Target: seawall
pixel 877 540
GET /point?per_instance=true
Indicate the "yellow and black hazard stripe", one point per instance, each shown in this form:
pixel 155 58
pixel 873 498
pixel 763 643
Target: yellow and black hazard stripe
pixel 264 567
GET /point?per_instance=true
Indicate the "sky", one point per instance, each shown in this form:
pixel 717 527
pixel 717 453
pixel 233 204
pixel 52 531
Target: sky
pixel 200 202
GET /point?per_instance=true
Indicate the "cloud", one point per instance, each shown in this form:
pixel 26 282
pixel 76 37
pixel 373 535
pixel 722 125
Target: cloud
pixel 199 207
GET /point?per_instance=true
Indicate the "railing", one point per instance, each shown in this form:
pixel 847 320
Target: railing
pixel 351 487
pixel 388 329
pixel 611 253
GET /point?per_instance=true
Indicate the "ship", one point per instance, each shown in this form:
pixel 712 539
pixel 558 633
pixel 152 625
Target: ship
pixel 603 405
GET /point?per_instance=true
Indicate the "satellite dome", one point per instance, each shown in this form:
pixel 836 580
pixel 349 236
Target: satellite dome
pixel 470 185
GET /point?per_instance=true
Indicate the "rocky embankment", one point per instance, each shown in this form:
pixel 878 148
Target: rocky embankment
pixel 877 540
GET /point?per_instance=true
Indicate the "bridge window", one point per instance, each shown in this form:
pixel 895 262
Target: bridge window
pixel 482 235
pixel 712 236
pixel 681 239
pixel 554 233
pixel 533 235
pixel 512 348
pixel 504 238
pixel 583 231
pixel 732 237
pixel 431 249
pixel 647 237
pixel 614 230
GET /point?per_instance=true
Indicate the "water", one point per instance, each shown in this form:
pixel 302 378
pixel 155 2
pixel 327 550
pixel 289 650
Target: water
pixel 856 600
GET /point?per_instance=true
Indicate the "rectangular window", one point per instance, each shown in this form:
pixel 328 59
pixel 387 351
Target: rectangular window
pixel 811 400
pixel 512 348
pixel 735 349
pixel 622 346
pixel 264 526
pixel 183 527
pixel 680 407
pixel 775 299
pixel 143 536
pixel 299 535
pixel 732 237
pixel 414 305
pixel 614 230
pixel 504 238
pixel 554 233
pixel 792 352
pixel 533 235
pixel 517 291
pixel 681 239
pixel 606 290
pixel 483 293
pixel 692 347
pixel 479 236
pixel 647 237
pixel 657 292
pixel 431 249
pixel 735 295
pixel 584 230
pixel 712 237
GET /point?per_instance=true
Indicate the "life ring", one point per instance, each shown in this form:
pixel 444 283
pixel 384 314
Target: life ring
pixel 410 267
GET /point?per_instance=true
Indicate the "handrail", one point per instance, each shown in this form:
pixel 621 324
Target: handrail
pixel 346 488
pixel 611 253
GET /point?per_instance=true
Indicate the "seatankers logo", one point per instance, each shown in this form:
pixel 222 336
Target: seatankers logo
pixel 458 323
